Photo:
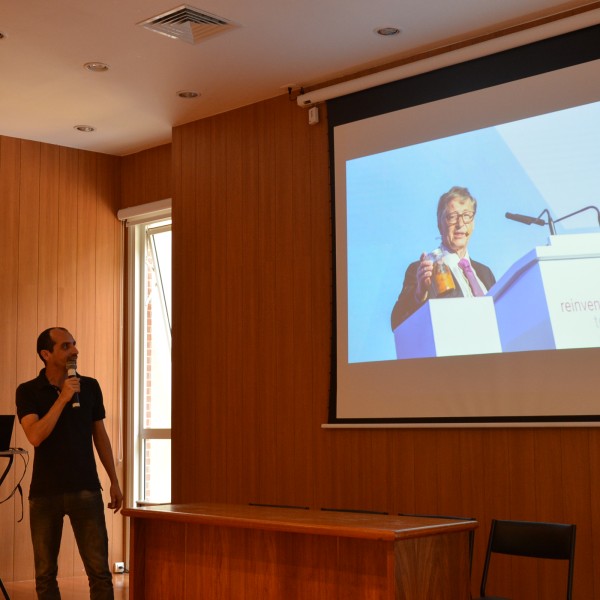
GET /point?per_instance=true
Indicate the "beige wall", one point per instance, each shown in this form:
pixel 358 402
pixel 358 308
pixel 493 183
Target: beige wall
pixel 61 264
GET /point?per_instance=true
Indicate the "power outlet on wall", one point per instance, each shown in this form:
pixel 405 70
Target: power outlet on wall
pixel 119 567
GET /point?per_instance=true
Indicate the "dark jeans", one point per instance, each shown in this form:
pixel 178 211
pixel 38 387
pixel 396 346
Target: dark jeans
pixel 86 512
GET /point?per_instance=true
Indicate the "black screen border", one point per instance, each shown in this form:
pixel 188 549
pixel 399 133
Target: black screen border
pixel 558 52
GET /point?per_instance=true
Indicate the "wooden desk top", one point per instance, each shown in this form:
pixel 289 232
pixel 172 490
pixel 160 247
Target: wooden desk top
pixel 296 520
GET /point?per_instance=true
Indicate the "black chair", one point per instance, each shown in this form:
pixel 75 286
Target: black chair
pixel 531 539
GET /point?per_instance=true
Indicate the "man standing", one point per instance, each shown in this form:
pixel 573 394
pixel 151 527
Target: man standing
pixel 61 417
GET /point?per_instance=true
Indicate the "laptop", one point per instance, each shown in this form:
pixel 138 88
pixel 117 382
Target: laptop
pixel 6 428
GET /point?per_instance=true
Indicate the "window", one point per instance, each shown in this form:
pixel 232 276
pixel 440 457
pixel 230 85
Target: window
pixel 149 343
pixel 155 376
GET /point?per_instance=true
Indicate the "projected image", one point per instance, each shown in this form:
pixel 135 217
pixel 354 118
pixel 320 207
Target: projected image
pixel 435 267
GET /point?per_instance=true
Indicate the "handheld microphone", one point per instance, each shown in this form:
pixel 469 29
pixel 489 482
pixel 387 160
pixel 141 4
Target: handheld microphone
pixel 525 219
pixel 72 372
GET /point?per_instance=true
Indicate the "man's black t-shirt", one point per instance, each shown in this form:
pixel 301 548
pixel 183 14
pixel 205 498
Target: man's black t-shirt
pixel 64 462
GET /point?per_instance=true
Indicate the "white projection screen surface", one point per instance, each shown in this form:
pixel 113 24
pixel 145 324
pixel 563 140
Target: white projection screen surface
pixel 528 143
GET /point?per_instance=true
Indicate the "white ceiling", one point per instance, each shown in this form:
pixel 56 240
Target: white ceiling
pixel 46 91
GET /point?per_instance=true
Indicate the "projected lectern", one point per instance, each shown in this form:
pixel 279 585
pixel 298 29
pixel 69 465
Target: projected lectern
pixel 550 298
pixel 449 327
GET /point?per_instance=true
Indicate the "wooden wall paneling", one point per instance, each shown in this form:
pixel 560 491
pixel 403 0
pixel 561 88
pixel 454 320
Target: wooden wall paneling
pixel 193 213
pixel 353 481
pixel 39 185
pixel 66 241
pixel 328 452
pixel 548 474
pixel 321 261
pixel 473 467
pixel 108 303
pixel 589 586
pixel 47 236
pixel 264 486
pixel 401 465
pixel 191 314
pixel 85 247
pixel 374 495
pixel 550 506
pixel 49 260
pixel 426 471
pixel 235 292
pixel 9 240
pixel 451 476
pixel 286 323
pixel 496 480
pixel 306 294
pixel 29 225
pixel 522 468
pixel 578 494
pixel 65 233
pixel 78 231
pixel 146 176
pixel 378 496
pixel 474 502
pixel 27 300
pixel 496 485
pixel 251 285
pixel 183 269
pixel 10 161
pixel 219 323
pixel 523 495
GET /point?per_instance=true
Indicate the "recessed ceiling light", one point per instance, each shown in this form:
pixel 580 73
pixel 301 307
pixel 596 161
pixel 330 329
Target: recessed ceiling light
pixel 187 94
pixel 387 31
pixel 96 67
pixel 84 128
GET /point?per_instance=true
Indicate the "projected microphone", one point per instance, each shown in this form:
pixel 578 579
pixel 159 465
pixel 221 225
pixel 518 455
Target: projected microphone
pixel 525 219
pixel 72 372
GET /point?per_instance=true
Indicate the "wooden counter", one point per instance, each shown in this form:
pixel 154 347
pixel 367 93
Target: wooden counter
pixel 207 551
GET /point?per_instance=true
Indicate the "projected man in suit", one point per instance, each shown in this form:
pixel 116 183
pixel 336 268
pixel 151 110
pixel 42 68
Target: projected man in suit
pixel 456 223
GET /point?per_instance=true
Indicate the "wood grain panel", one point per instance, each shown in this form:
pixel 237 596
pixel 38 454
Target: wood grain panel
pixel 146 176
pixel 67 238
pixel 56 260
pixel 248 552
pixel 9 240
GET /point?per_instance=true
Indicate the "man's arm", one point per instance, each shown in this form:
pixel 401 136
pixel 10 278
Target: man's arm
pixel 36 429
pixel 417 280
pixel 104 449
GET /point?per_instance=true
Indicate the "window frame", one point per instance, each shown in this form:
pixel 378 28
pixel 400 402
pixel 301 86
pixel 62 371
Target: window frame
pixel 137 221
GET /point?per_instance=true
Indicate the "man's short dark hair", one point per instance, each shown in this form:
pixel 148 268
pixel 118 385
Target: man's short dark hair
pixel 454 192
pixel 45 341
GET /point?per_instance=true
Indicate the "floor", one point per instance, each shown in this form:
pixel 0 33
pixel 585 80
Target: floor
pixel 71 588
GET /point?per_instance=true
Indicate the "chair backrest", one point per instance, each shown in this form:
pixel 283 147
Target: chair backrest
pixel 532 539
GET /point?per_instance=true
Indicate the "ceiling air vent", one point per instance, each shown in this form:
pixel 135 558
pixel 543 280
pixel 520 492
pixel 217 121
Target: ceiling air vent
pixel 188 24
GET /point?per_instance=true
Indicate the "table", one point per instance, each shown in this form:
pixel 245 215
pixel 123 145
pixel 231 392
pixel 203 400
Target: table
pixel 255 552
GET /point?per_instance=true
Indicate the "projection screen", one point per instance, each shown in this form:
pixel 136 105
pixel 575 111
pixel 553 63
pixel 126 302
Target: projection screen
pixel 520 132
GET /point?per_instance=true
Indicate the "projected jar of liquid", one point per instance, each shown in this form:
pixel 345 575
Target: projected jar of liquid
pixel 441 280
